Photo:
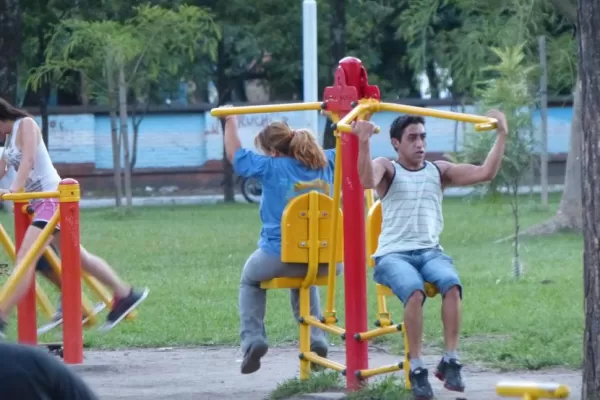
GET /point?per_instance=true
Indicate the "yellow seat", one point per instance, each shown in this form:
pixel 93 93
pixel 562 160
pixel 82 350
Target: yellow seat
pixel 384 322
pixel 306 229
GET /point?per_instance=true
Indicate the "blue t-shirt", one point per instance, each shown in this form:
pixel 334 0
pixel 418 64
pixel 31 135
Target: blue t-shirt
pixel 282 178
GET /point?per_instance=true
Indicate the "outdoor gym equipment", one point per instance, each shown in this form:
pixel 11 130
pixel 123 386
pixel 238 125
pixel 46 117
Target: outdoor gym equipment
pixel 74 301
pixel 532 390
pixel 350 98
pixel 68 214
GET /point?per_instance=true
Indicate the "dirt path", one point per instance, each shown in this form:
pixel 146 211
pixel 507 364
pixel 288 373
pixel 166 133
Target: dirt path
pixel 213 373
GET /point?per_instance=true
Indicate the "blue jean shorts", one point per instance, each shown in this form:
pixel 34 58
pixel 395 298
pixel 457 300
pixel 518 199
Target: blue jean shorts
pixel 406 272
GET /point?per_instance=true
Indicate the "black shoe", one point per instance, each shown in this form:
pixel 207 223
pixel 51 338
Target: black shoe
pixel 122 307
pixel 3 325
pixel 420 384
pixel 449 373
pixel 320 349
pixel 255 352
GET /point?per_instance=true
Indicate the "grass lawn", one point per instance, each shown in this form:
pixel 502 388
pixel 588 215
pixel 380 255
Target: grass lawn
pixel 191 258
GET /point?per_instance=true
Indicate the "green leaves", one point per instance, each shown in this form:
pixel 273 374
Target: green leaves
pixel 509 90
pixel 152 43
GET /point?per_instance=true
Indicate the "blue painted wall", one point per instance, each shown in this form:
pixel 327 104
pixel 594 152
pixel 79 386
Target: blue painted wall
pixel 190 140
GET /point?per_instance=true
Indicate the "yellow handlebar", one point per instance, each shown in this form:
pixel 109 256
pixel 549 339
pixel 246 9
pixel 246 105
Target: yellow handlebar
pixel 223 111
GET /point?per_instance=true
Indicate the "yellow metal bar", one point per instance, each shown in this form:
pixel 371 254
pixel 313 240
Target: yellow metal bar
pixel 367 373
pixel 406 363
pixel 382 311
pixel 27 262
pixel 370 197
pixel 386 330
pixel 30 196
pixel 7 244
pixel 313 358
pixel 482 123
pixel 304 332
pixel 336 330
pixel 329 314
pixel 344 124
pixel 268 108
pixel 532 390
pixel 41 296
pixel 88 308
pixel 313 266
pixel 313 239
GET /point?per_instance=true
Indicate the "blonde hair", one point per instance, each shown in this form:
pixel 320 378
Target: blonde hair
pixel 278 137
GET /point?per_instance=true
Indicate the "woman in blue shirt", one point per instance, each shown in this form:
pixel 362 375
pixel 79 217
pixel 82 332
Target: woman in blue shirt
pixel 292 159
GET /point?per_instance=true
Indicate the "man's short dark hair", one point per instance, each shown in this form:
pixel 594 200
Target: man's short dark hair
pixel 401 123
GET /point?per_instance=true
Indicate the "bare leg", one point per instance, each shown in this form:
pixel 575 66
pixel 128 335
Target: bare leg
pixel 31 235
pixel 451 318
pixel 99 269
pixel 413 322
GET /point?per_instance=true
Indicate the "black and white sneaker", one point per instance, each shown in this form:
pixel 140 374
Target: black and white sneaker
pixel 420 386
pixel 123 306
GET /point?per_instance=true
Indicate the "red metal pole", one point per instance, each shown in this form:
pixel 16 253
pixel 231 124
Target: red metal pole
pixel 71 271
pixel 355 274
pixel 26 310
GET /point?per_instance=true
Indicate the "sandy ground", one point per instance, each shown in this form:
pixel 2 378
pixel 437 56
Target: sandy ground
pixel 213 373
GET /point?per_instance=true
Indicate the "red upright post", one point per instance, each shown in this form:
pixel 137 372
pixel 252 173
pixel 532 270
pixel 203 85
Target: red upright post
pixel 71 271
pixel 26 310
pixel 350 86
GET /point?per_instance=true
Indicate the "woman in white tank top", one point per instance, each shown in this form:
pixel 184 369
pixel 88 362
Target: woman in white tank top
pixel 25 150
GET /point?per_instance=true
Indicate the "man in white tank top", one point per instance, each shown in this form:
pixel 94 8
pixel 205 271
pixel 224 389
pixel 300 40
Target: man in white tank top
pixel 409 253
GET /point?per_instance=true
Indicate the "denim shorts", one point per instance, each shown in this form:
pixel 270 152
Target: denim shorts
pixel 406 272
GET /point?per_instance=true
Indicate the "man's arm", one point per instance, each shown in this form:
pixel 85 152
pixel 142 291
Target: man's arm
pixel 469 174
pixel 370 172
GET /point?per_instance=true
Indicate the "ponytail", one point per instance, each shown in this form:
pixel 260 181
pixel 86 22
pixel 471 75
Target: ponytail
pixel 279 138
pixel 304 148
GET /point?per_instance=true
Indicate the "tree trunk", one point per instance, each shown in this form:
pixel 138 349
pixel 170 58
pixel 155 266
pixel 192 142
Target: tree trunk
pixel 10 48
pixel 589 67
pixel 125 136
pixel 116 149
pixel 338 51
pixel 46 87
pixel 570 210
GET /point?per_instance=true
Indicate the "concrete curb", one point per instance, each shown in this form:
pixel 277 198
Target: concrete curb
pixel 320 396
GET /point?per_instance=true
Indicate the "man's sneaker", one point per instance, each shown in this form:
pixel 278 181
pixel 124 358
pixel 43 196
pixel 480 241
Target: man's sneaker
pixel 123 306
pixel 3 325
pixel 320 349
pixel 255 352
pixel 449 373
pixel 420 384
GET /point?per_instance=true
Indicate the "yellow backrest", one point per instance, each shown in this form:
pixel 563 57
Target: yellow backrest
pixel 295 229
pixel 373 230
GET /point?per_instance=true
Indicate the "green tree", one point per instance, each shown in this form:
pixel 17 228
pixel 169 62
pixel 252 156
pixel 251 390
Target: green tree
pixel 116 58
pixel 508 89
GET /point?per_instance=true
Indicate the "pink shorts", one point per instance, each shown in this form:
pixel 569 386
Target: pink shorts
pixel 43 210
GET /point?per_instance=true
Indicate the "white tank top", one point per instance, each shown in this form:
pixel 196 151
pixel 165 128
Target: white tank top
pixel 411 210
pixel 43 176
